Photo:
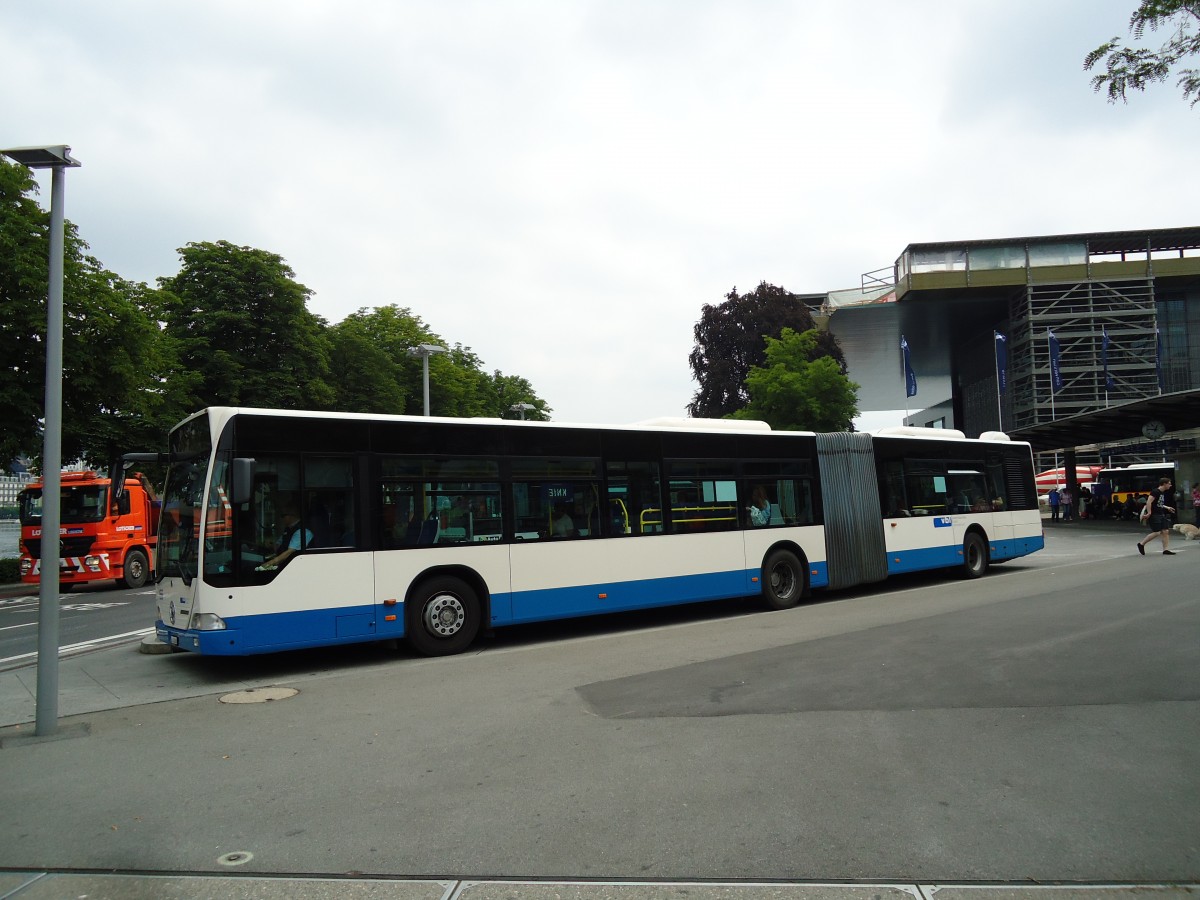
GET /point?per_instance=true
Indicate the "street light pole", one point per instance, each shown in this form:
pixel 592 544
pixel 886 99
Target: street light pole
pixel 425 351
pixel 520 409
pixel 56 158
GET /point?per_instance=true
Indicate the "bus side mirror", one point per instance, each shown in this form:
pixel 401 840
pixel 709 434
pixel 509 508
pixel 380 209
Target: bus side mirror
pixel 243 481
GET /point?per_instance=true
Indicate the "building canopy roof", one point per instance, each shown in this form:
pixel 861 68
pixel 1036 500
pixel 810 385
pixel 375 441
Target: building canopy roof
pixel 1145 240
pixel 1176 411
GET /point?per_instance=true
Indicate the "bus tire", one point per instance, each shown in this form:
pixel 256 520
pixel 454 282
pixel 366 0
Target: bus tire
pixel 442 617
pixel 975 556
pixel 782 580
pixel 137 569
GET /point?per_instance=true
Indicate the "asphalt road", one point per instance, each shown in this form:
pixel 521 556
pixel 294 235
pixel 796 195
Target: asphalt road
pixel 1040 724
pixel 88 614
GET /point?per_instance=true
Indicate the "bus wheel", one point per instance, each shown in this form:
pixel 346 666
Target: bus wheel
pixel 782 580
pixel 975 556
pixel 137 569
pixel 443 617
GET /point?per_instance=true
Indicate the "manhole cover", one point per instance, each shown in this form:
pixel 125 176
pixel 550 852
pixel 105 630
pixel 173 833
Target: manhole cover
pixel 260 695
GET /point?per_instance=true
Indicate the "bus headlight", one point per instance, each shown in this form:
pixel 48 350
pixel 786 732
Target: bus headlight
pixel 207 622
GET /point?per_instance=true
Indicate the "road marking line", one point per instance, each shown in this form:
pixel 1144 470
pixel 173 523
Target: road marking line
pixel 83 646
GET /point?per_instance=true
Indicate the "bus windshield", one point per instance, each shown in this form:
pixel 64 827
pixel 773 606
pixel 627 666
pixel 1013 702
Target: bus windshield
pixel 76 505
pixel 183 501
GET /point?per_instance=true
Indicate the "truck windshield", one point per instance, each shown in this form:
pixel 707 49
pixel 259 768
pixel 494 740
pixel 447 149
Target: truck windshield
pixel 183 501
pixel 76 505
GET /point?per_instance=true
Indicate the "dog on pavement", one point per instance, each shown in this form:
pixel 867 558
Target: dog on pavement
pixel 1189 532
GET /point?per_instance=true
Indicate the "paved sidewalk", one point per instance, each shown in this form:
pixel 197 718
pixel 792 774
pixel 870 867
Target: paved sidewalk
pixel 58 886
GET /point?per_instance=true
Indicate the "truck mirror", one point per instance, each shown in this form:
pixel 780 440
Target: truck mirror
pixel 116 475
pixel 243 481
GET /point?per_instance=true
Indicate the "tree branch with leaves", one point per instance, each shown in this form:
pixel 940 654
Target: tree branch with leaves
pixel 1136 68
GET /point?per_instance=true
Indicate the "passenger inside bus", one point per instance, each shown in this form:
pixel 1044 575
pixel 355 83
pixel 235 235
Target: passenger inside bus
pixel 292 541
pixel 562 524
pixel 760 507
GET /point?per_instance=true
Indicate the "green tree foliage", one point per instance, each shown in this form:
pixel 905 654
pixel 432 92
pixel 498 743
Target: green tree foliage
pixel 231 328
pixel 729 342
pixel 372 371
pixel 115 358
pixel 798 389
pixel 1135 68
pixel 510 390
pixel 242 328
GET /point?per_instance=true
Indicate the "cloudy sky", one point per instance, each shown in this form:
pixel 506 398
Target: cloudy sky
pixel 562 185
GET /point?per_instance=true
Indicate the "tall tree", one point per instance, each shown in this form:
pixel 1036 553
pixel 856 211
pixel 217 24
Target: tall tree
pixel 509 392
pixel 799 390
pixel 729 342
pixel 1136 68
pixel 115 358
pixel 373 371
pixel 242 325
pixel 367 365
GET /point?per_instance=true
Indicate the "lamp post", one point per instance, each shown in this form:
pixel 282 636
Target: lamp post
pixel 521 408
pixel 425 351
pixel 57 158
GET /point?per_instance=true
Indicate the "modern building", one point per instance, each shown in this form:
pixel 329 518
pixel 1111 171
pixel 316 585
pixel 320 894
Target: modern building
pixel 1119 310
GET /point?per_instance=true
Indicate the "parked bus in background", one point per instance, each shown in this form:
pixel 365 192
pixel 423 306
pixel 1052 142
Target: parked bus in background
pixel 283 529
pixel 1137 480
pixel 101 536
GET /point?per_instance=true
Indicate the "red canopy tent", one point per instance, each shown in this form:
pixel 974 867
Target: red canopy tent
pixel 1051 477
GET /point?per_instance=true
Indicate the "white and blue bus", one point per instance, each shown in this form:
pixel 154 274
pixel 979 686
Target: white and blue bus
pixel 282 530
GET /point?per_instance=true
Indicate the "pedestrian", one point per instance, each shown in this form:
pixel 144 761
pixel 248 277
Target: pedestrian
pixel 1196 502
pixel 1068 511
pixel 1054 501
pixel 1160 507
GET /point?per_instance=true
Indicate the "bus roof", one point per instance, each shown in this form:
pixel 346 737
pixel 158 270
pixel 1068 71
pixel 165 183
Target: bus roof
pixel 665 423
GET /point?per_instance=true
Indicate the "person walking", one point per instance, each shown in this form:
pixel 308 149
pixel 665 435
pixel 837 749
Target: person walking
pixel 1160 507
pixel 1068 509
pixel 1054 501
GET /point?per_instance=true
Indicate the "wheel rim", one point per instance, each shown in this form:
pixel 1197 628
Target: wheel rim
pixel 444 615
pixel 135 568
pixel 783 581
pixel 974 555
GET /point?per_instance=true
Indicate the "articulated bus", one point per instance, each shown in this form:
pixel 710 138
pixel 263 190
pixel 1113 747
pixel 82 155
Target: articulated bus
pixel 282 530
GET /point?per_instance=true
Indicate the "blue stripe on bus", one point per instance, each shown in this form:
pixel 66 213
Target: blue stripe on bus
pixel 365 622
pixel 567 602
pixel 352 624
pixel 924 558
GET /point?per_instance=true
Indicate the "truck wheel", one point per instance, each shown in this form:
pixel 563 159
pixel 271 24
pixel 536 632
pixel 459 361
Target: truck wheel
pixel 137 569
pixel 782 580
pixel 442 617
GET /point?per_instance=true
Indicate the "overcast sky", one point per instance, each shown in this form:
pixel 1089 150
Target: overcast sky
pixel 562 185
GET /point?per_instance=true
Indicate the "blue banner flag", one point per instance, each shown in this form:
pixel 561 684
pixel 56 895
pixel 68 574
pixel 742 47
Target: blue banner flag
pixel 910 377
pixel 1108 379
pixel 1056 379
pixel 1001 362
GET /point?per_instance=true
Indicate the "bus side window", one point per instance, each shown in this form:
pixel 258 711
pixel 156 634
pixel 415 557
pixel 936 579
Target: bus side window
pixel 891 495
pixel 701 499
pixel 633 499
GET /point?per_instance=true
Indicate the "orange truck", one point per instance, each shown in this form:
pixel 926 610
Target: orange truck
pixel 100 537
